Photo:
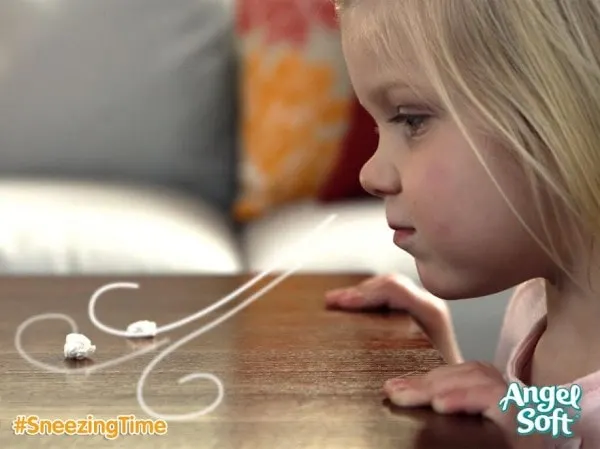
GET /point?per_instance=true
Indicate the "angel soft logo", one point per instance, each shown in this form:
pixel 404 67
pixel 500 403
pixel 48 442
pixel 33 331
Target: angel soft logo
pixel 544 409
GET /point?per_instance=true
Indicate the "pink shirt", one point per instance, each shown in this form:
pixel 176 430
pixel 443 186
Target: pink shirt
pixel 524 323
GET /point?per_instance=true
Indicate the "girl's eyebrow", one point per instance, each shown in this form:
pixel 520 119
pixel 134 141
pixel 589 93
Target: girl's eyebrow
pixel 379 90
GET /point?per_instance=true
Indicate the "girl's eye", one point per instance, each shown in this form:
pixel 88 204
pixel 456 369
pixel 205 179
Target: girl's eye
pixel 414 123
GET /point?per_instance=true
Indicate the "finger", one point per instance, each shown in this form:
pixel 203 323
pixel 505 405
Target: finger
pixel 384 291
pixel 334 292
pixel 396 292
pixel 355 298
pixel 332 296
pixel 420 391
pixel 483 400
pixel 406 391
pixel 473 399
pixel 416 330
pixel 367 295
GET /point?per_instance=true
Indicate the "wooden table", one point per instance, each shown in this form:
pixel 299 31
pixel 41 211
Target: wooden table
pixel 294 374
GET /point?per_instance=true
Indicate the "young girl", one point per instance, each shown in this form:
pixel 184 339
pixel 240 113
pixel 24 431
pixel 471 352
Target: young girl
pixel 488 162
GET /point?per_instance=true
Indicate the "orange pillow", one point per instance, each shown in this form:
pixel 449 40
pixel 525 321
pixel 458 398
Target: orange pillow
pixel 296 101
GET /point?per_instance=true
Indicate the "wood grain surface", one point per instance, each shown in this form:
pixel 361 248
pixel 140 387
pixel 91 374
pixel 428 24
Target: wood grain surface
pixel 294 374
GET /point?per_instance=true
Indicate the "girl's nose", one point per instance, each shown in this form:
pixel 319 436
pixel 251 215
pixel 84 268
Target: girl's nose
pixel 380 178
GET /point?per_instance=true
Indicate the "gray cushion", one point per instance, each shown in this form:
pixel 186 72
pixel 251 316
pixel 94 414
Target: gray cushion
pixel 139 90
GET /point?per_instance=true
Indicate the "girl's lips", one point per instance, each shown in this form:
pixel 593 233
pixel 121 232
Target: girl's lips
pixel 401 234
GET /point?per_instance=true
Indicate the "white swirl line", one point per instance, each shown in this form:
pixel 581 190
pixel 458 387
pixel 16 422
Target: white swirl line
pixel 171 326
pixel 191 336
pixel 176 324
pixel 55 369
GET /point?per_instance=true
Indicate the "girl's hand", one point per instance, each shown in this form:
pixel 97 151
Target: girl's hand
pixel 400 293
pixel 471 388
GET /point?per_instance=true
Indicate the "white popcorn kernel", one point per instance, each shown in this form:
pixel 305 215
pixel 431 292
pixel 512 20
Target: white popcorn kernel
pixel 78 347
pixel 141 329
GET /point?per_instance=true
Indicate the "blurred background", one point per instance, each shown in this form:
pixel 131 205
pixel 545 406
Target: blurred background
pixel 189 137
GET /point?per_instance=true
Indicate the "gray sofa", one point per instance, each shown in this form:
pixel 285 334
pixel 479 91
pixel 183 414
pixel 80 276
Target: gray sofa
pixel 118 143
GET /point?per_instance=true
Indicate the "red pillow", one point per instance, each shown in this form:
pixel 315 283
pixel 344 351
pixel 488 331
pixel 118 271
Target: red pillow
pixel 358 146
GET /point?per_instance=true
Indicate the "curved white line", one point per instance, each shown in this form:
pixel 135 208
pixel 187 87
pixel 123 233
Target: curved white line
pixel 191 336
pixel 171 326
pixel 176 324
pixel 28 322
pixel 55 369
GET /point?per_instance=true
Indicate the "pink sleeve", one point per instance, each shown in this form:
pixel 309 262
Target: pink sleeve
pixel 526 306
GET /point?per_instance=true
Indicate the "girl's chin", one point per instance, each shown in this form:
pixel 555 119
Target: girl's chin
pixel 450 285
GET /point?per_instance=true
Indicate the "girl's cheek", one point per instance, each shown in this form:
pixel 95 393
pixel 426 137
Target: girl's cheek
pixel 434 210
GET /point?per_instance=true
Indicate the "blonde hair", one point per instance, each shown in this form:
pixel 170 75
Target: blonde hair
pixel 529 70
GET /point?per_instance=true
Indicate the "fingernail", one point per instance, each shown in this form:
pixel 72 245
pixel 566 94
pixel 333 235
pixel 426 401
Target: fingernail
pixel 397 384
pixel 407 397
pixel 439 405
pixel 444 401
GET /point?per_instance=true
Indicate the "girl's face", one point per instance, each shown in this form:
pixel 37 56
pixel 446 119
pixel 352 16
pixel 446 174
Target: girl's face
pixel 465 239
